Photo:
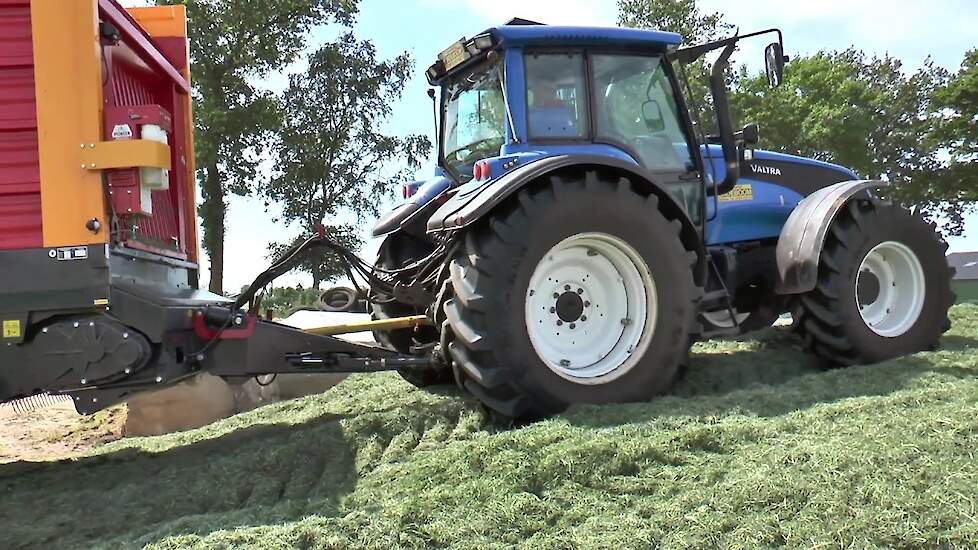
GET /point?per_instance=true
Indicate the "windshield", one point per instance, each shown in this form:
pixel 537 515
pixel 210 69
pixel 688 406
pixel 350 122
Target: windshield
pixel 475 120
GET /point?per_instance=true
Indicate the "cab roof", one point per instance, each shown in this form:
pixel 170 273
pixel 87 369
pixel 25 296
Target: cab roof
pixel 529 34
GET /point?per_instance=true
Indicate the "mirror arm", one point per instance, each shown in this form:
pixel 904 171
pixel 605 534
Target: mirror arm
pixel 721 105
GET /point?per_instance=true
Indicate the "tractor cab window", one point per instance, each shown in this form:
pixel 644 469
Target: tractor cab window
pixel 635 106
pixel 556 97
pixel 475 119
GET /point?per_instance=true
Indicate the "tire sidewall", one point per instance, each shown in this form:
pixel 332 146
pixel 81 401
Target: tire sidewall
pixel 657 242
pixel 895 224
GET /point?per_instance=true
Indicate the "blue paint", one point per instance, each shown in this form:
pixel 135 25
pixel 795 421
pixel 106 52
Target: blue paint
pixel 728 222
pixel 544 35
pixel 764 215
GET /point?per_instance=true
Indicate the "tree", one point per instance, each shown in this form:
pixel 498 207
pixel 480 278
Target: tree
pixel 862 112
pixel 953 186
pixel 234 44
pixel 681 16
pixel 685 18
pixel 331 151
pixel 917 130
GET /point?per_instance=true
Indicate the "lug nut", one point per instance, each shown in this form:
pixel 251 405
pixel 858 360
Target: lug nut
pixel 583 317
pixel 553 310
pixel 566 287
pixel 580 291
pixel 556 295
pixel 559 322
pixel 572 325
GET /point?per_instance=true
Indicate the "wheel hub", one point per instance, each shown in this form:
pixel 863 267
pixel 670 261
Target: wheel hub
pixel 570 306
pixel 590 307
pixel 890 289
pixel 867 287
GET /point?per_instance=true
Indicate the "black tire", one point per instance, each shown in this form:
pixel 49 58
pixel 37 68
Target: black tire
pixel 490 347
pixel 397 250
pixel 828 318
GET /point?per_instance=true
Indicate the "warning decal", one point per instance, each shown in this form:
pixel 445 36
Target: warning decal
pixel 11 329
pixel 742 192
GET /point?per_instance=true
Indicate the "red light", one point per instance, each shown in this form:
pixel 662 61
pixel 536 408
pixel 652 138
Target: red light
pixel 481 171
pixel 407 190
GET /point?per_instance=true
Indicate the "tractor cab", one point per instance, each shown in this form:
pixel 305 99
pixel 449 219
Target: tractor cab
pixel 520 92
pixel 523 91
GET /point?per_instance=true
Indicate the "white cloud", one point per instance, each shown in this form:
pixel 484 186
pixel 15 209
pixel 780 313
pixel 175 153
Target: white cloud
pixel 551 12
pixel 907 29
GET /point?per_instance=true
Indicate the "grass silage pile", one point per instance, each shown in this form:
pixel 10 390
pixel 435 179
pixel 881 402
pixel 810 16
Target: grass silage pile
pixel 756 448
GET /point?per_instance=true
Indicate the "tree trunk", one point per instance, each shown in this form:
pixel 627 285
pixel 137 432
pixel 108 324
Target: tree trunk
pixel 212 212
pixel 317 278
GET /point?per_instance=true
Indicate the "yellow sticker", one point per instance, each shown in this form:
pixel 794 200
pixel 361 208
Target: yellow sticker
pixel 742 192
pixel 101 301
pixel 11 329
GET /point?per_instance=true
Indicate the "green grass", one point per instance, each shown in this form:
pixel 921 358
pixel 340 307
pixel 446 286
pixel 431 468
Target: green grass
pixel 756 448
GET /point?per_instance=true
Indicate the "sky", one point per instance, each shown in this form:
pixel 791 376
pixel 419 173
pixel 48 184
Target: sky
pixel 910 30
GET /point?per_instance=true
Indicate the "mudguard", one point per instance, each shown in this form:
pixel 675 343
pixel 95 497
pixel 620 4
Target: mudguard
pixel 471 203
pixel 803 235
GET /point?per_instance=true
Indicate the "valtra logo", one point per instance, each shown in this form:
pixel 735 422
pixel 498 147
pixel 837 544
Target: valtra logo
pixel 767 170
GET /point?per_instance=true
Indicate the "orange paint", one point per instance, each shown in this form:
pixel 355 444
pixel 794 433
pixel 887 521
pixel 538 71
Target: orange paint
pixel 68 88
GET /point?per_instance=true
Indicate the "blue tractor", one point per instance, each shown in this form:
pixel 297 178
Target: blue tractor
pixel 581 231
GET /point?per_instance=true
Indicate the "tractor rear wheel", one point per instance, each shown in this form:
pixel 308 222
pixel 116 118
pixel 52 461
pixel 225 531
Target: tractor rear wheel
pixel 883 287
pixel 577 291
pixel 397 250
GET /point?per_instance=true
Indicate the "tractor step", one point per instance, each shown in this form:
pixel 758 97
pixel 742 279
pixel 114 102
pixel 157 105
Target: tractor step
pixel 326 362
pixel 715 299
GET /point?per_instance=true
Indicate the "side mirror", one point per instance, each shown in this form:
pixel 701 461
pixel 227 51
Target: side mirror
pixel 774 60
pixel 652 116
pixel 751 134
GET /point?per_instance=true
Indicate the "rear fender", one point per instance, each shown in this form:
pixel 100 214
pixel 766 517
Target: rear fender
pixel 803 235
pixel 469 206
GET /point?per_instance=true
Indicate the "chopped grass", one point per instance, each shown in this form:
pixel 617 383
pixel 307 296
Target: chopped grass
pixel 755 448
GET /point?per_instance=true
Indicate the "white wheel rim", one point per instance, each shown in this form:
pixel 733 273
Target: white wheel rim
pixel 591 307
pixel 721 318
pixel 890 289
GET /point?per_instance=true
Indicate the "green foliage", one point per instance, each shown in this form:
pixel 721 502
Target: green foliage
pixel 863 112
pixel 325 265
pixel 234 44
pixel 285 300
pixel 681 16
pixel 685 18
pixel 956 132
pixel 755 448
pixel 332 150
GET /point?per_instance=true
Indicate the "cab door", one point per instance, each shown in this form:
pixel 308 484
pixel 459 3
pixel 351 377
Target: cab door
pixel 635 108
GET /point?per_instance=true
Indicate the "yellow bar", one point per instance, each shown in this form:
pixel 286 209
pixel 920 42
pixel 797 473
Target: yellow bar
pixel 380 324
pixel 126 154
pixel 68 89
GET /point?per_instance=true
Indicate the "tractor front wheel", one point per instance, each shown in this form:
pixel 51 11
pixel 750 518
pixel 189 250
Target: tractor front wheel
pixel 578 291
pixel 883 287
